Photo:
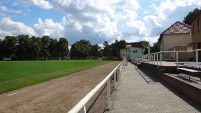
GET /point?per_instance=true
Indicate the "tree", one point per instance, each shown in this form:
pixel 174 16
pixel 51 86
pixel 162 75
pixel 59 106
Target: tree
pixel 9 47
pixel 146 43
pixel 44 50
pixel 155 47
pixel 63 47
pixel 106 50
pixel 119 45
pixel 35 44
pixel 1 50
pixel 54 49
pixel 95 51
pixel 190 15
pixel 80 49
pixel 23 47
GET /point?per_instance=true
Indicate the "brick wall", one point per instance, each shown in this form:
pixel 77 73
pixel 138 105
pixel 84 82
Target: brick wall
pixel 193 92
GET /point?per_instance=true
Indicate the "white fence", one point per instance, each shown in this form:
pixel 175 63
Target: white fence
pixel 80 107
pixel 157 58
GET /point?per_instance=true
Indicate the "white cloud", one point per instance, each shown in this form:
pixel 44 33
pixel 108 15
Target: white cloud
pixel 10 27
pixel 45 4
pixel 167 13
pixel 3 8
pixel 48 27
pixel 105 20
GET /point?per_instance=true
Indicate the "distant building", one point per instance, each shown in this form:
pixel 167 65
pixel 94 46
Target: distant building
pixel 132 50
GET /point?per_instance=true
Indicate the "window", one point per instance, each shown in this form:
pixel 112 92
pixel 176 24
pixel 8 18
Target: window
pixel 199 27
pixel 123 54
pixel 134 51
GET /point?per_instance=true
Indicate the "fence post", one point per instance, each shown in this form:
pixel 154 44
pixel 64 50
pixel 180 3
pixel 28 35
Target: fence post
pixel 177 59
pixel 108 94
pixel 83 110
pixel 160 58
pixel 196 55
pixel 157 58
pixel 115 79
pixel 154 58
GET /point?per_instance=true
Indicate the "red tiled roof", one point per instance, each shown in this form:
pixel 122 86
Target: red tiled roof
pixel 137 44
pixel 177 28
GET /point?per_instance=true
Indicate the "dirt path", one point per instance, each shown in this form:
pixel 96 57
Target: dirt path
pixel 58 95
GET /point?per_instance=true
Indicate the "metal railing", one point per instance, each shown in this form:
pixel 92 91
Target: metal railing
pixel 157 58
pixel 81 105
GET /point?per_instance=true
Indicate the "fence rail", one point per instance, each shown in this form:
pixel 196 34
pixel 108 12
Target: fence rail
pixel 81 105
pixel 157 58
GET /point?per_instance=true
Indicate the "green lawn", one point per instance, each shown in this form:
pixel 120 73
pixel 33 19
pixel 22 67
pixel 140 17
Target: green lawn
pixel 18 74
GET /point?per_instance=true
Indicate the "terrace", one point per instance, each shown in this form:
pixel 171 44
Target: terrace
pixel 153 86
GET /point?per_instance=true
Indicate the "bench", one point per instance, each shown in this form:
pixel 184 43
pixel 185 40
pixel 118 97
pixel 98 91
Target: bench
pixel 191 67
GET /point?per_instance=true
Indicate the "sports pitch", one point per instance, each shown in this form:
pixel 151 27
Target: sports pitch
pixel 18 74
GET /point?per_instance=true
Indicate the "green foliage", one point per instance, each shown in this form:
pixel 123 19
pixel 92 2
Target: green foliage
pixel 155 47
pixel 23 47
pixel 113 50
pixel 190 15
pixel 18 74
pixel 83 49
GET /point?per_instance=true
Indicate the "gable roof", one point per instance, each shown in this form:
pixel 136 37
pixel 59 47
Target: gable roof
pixel 177 28
pixel 137 45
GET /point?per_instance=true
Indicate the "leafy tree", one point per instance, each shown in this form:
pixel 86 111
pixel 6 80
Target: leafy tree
pixel 9 47
pixel 95 51
pixel 63 47
pixel 44 50
pixel 106 50
pixel 190 15
pixel 1 50
pixel 155 47
pixel 23 47
pixel 54 49
pixel 80 49
pixel 75 51
pixel 35 44
pixel 146 43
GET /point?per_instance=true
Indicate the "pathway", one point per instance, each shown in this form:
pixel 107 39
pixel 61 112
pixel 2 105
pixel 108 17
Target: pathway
pixel 136 95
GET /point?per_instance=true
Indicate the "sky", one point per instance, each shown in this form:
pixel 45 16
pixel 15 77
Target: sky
pixel 93 20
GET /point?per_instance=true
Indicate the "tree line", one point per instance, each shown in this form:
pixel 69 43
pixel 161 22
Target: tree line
pixel 83 49
pixel 23 47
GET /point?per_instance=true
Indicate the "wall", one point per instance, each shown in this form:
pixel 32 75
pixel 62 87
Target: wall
pixel 124 53
pixel 193 92
pixel 158 72
pixel 137 54
pixel 172 40
pixel 195 32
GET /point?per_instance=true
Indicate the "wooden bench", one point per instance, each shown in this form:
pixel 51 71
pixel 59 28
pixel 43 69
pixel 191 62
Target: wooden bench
pixel 191 67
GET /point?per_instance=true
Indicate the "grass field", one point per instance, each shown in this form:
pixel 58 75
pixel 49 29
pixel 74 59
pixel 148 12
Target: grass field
pixel 18 74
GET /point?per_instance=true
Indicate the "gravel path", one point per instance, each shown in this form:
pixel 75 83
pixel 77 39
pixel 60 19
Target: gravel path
pixel 57 95
pixel 135 95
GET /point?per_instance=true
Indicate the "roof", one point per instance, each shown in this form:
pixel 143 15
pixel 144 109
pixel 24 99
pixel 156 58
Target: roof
pixel 177 28
pixel 137 45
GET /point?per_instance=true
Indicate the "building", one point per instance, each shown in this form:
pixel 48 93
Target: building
pixel 196 32
pixel 182 56
pixel 132 50
pixel 177 34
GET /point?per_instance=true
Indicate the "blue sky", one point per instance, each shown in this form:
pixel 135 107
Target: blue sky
pixel 93 20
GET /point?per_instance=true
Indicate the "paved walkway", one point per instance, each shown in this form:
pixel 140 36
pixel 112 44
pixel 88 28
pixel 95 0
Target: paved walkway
pixel 135 95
